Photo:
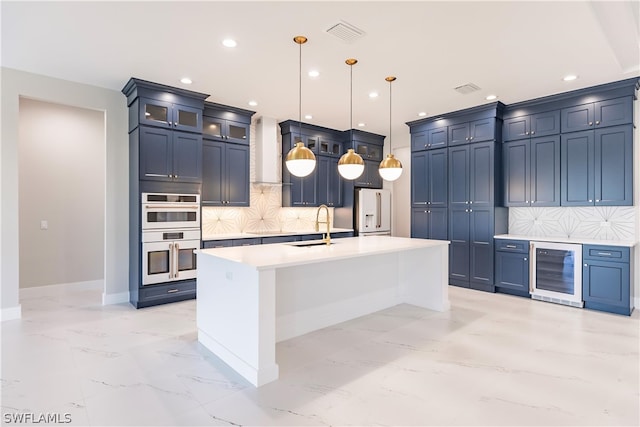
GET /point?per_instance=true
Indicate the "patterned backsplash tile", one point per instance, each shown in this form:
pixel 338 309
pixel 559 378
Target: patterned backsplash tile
pixel 601 223
pixel 265 214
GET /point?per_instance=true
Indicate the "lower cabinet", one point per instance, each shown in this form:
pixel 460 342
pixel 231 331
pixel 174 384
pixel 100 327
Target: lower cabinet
pixel 471 250
pixel 250 241
pixel 166 293
pixel 606 278
pixel 512 267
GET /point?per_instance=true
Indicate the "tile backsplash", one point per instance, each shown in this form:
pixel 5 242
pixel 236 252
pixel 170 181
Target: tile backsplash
pixel 265 214
pixel 601 223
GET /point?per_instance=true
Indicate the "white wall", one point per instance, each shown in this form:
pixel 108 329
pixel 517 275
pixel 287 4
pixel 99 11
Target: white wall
pixel 61 181
pixel 15 84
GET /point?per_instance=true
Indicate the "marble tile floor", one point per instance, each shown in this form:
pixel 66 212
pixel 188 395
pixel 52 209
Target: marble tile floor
pixel 492 360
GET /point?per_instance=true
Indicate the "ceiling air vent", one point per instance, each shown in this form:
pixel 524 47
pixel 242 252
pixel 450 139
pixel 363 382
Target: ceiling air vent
pixel 466 89
pixel 346 32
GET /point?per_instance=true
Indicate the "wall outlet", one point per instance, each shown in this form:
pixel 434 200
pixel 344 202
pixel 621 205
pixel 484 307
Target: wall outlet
pixel 44 224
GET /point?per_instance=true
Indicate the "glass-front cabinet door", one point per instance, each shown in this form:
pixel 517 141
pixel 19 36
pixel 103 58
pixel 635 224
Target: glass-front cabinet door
pixel 212 126
pixel 187 118
pixel 330 148
pixel 237 132
pixel 155 113
pixel 309 141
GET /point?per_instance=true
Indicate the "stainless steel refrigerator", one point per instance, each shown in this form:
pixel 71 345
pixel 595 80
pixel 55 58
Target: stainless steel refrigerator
pixel 373 212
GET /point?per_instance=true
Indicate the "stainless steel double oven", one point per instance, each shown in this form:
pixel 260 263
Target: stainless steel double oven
pixel 170 237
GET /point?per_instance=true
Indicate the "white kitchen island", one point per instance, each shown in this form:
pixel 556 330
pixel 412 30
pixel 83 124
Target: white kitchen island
pixel 250 297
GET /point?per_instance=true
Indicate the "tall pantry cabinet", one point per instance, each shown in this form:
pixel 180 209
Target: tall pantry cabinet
pixel 455 189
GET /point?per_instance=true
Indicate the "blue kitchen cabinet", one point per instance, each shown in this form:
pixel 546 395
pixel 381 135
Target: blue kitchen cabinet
pixel 226 123
pixel 329 181
pixel 225 176
pixel 429 178
pixel 531 172
pixel 430 139
pixel 597 167
pixel 167 155
pixel 533 125
pixel 610 112
pixel 158 113
pixel 429 223
pixel 370 178
pixel 324 185
pixel 472 175
pixel 471 132
pixel 512 267
pixel 606 278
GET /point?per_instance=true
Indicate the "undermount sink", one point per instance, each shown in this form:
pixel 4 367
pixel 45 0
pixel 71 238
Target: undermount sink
pixel 308 244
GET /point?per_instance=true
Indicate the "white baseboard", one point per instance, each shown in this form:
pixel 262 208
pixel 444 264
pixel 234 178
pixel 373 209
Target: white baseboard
pixel 11 313
pixel 118 298
pixel 61 288
pixel 636 303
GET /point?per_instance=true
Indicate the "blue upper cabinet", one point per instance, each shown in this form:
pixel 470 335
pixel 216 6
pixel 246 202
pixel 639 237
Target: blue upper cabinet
pixel 577 169
pixel 470 132
pixel 174 116
pixel 597 167
pixel 225 176
pixel 523 127
pixel 531 172
pixel 169 156
pixel 613 163
pixel 329 181
pixel 429 178
pixel 611 112
pixel 430 139
pixel 225 123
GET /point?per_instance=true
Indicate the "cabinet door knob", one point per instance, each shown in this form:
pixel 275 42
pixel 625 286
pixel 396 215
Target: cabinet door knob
pixel 428 203
pixel 526 133
pixel 466 210
pixel 597 122
pixel 426 145
pixel 526 201
pixel 590 123
pixel 597 200
pixel 586 265
pixel 590 200
pixel 471 202
pixel 532 132
pixel 466 202
pixel 470 210
pixel 466 139
pixel 470 138
pixel 525 259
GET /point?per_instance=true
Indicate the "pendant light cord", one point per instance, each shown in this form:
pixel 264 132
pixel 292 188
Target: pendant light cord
pixel 390 152
pixel 300 91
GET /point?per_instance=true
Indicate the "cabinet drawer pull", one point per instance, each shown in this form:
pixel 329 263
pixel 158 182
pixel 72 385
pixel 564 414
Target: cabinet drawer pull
pixel 511 246
pixel 604 253
pixel 172 291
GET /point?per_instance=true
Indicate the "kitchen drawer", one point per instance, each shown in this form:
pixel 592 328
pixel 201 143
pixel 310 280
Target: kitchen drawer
pixel 278 239
pixel 208 244
pixel 177 289
pixel 602 253
pixel 247 242
pixel 519 246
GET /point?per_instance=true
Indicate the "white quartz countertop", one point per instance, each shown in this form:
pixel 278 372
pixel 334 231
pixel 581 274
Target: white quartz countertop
pixel 249 235
pixel 291 254
pixel 578 240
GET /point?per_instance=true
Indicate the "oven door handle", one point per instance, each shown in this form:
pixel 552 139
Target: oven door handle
pixel 161 207
pixel 171 256
pixel 176 253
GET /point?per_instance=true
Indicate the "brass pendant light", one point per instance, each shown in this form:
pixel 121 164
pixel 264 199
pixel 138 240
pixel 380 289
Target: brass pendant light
pixel 300 160
pixel 351 165
pixel 390 168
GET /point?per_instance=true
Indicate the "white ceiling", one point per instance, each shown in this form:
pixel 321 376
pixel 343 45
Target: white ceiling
pixel 516 50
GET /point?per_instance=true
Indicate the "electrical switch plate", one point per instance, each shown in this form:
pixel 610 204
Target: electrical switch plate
pixel 44 224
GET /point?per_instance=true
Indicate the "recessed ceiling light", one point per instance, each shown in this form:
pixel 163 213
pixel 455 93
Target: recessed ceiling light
pixel 229 43
pixel 253 103
pixel 361 125
pixel 422 114
pixel 491 97
pixel 373 94
pixel 186 80
pixel 569 77
pixel 314 73
pixel 308 116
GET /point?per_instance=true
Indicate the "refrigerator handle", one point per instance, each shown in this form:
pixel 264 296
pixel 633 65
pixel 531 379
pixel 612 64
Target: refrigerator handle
pixel 378 209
